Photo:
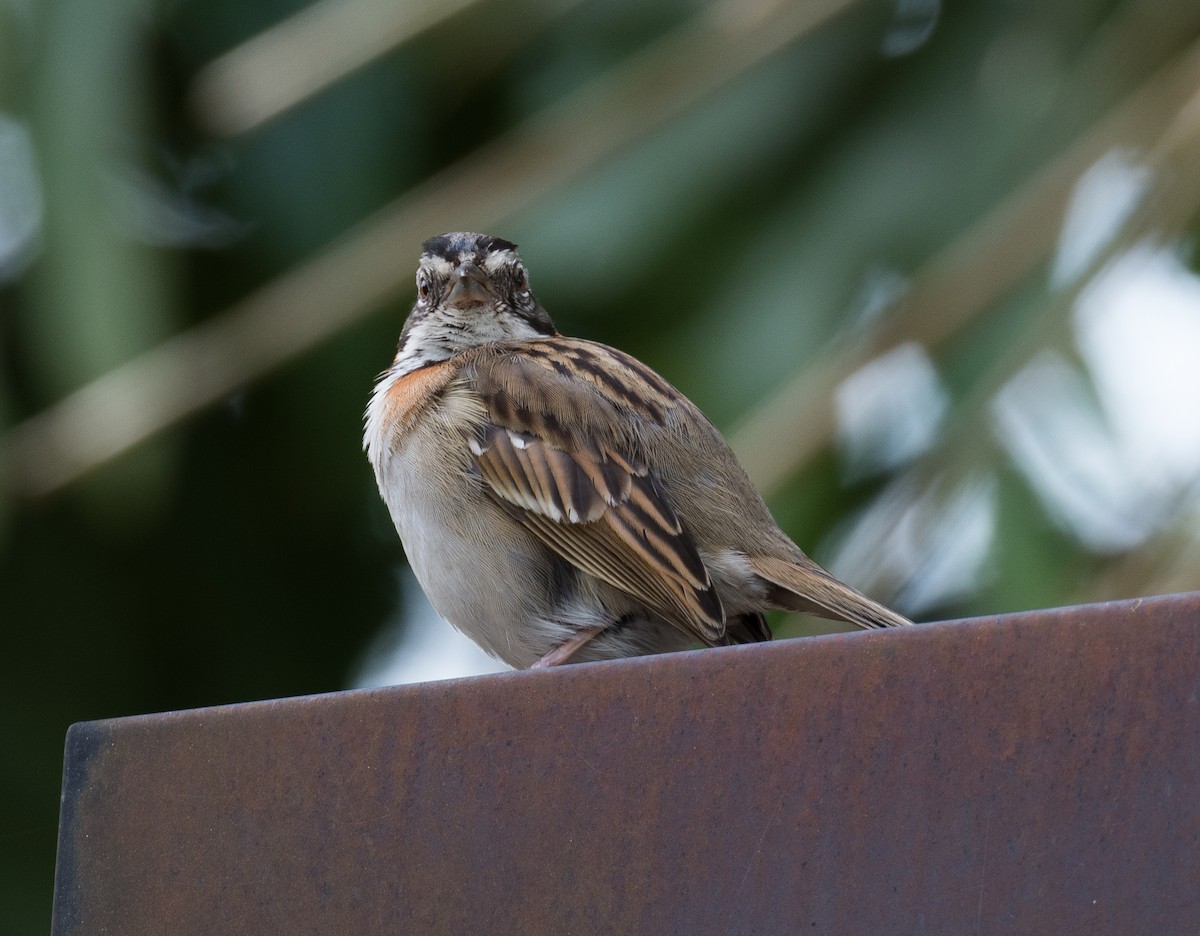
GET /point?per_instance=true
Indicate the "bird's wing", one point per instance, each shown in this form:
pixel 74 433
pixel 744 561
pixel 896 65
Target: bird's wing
pixel 558 449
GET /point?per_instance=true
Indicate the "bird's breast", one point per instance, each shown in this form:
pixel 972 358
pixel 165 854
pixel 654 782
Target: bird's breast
pixel 482 571
pixel 399 401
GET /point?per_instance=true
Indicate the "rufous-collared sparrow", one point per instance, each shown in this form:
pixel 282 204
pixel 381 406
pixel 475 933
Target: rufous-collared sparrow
pixel 557 499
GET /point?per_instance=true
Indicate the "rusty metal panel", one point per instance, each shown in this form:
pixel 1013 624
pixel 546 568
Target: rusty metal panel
pixel 1032 773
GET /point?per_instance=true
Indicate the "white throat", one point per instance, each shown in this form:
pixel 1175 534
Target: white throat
pixel 439 335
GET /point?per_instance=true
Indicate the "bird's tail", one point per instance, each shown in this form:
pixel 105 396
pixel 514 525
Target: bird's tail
pixel 806 587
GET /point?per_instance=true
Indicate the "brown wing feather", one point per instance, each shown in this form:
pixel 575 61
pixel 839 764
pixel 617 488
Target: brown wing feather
pixel 559 455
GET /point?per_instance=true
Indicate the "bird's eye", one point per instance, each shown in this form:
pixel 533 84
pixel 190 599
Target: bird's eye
pixel 422 285
pixel 519 280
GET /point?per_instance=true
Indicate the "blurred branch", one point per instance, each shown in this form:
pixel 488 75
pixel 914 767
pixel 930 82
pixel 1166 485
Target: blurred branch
pixel 293 313
pixel 1163 215
pixel 985 263
pixel 1168 563
pixel 293 60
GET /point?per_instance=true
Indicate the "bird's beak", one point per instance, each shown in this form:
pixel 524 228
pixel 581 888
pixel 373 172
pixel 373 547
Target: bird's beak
pixel 469 286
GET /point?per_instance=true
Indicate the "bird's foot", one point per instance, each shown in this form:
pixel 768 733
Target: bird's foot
pixel 564 650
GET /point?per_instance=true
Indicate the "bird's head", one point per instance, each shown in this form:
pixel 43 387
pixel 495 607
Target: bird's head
pixel 472 290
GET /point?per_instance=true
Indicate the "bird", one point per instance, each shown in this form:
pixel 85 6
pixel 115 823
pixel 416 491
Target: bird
pixel 558 500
